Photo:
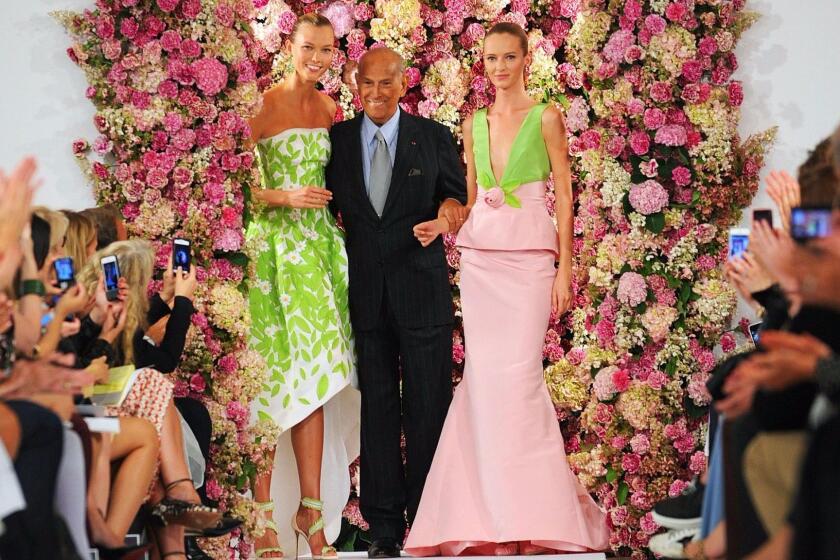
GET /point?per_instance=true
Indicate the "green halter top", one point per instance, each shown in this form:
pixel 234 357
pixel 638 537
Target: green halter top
pixel 528 160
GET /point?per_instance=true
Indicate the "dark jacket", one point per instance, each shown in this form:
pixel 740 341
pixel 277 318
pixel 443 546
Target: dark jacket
pixel 385 259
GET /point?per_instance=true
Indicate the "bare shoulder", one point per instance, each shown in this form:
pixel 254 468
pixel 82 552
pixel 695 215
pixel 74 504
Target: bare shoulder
pixel 466 126
pixel 552 118
pixel 330 105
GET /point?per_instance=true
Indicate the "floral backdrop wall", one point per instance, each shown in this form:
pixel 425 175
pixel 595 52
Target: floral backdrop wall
pixel 660 174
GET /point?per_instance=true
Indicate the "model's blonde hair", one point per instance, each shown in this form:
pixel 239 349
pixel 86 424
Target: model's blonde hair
pixel 136 259
pixel 81 232
pixel 58 225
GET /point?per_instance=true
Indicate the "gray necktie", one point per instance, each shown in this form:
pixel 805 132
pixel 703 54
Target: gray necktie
pixel 380 174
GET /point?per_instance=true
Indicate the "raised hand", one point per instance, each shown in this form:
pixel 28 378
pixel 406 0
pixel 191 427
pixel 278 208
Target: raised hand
pixel 748 275
pixel 16 190
pixel 785 192
pixel 773 250
pixel 74 300
pixel 789 359
pixel 114 322
pixel 426 232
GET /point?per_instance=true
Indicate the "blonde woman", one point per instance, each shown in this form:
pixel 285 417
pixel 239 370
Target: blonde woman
pixel 151 395
pixel 80 240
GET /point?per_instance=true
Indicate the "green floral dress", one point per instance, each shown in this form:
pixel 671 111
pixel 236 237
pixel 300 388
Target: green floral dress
pixel 298 286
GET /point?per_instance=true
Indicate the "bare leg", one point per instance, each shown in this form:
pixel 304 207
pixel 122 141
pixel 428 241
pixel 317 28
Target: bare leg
pixel 100 479
pixel 173 464
pixel 137 446
pixel 262 493
pixel 9 431
pixel 308 444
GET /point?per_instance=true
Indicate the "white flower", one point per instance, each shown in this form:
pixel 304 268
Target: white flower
pixel 264 286
pixel 285 299
pixel 294 258
pixel 272 330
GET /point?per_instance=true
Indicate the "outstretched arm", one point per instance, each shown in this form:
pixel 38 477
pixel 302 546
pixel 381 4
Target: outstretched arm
pixel 554 133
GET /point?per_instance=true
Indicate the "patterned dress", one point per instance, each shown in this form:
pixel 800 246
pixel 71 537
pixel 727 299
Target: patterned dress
pixel 298 292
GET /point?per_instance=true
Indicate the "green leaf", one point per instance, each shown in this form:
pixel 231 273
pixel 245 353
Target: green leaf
pixel 263 415
pixel 612 475
pixel 323 386
pixel 655 222
pixel 621 494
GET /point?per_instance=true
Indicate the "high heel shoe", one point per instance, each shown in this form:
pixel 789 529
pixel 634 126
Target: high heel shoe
pixel 196 517
pixel 270 525
pixel 327 552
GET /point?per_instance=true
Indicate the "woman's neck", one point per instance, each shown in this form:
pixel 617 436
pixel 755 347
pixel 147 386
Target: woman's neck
pixel 302 91
pixel 511 99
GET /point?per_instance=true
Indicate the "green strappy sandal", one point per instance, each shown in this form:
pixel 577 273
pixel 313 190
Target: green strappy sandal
pixel 327 552
pixel 268 507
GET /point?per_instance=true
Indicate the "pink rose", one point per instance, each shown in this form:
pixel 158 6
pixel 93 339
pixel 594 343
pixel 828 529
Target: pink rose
pixel 494 197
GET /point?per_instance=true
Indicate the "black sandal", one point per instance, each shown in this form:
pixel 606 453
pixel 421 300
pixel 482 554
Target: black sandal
pixel 195 517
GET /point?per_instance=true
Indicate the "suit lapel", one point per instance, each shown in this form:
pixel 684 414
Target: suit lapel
pixel 406 144
pixel 357 169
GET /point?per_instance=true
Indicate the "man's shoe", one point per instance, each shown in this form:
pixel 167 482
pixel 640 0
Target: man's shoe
pixel 682 512
pixel 672 544
pixel 384 548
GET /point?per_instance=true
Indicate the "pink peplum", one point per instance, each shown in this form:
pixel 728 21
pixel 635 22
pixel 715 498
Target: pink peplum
pixel 510 229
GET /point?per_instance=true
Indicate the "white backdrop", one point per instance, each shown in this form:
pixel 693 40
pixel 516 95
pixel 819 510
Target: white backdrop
pixel 787 63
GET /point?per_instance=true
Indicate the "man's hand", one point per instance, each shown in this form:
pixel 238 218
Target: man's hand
pixel 785 192
pixel 790 359
pixel 454 212
pixel 426 232
pixel 739 393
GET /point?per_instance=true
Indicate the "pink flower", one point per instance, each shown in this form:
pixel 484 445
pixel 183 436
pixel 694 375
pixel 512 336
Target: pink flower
pixel 157 178
pixel 100 170
pixel 655 24
pixel 617 46
pixel 340 15
pixel 286 22
pixel 197 383
pixel 576 355
pixel 168 89
pixel 649 168
pixel 654 118
pixel 228 364
pixel 129 28
pixel 660 92
pixel 639 142
pixel 632 289
pixel 727 342
pixel 671 135
pixel 80 147
pixel 657 380
pixel 647 524
pixel 170 40
pixel 224 15
pixel 211 75
pixel 631 463
pixel 681 176
pixel 697 463
pixel 413 76
pixel 676 11
pixel 736 94
pixel 619 516
pixel 167 5
pixel 213 489
pixel 648 198
pixel 615 146
pixel 708 46
pixel 472 35
pixel 363 12
pixel 640 443
pixel 692 70
pixel 494 197
pixel 237 413
pixel 621 380
pixel 190 48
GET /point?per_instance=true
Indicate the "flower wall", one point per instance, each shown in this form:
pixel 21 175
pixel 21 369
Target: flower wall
pixel 660 174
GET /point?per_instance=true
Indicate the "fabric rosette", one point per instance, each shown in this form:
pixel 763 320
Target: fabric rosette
pixel 497 195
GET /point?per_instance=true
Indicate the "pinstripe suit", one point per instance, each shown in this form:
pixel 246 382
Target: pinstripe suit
pixel 401 310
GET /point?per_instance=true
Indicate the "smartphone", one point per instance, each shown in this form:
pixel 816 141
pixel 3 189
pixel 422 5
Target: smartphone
pixel 810 223
pixel 739 240
pixel 181 255
pixel 763 215
pixel 64 273
pixel 111 271
pixel 754 334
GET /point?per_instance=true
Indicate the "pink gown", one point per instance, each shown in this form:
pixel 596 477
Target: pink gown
pixel 500 473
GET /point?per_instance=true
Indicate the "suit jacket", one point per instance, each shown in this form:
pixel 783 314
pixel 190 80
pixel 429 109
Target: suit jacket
pixel 384 256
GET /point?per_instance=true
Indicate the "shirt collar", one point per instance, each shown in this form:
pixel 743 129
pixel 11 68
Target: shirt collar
pixel 389 129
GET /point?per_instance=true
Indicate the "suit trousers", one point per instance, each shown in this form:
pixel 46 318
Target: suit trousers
pixel 405 377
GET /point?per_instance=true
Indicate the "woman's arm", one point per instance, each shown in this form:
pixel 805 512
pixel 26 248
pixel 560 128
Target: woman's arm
pixel 29 308
pixel 472 182
pixel 554 134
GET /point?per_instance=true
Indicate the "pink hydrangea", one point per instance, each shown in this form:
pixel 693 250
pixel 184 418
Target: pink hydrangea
pixel 657 380
pixel 736 94
pixel 677 488
pixel 648 198
pixel 697 463
pixel 190 48
pixel 692 70
pixel 617 45
pixel 472 35
pixel 655 24
pixel 197 383
pixel 602 385
pixel 660 92
pixel 676 11
pixel 631 463
pixel 727 342
pixel 632 289
pixel 363 12
pixel 340 15
pixel 211 75
pixel 236 412
pixel 649 168
pixel 671 135
pixel 640 443
pixel 681 176
pixel 167 5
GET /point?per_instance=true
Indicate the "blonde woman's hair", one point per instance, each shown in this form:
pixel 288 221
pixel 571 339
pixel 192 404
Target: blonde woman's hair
pixel 58 225
pixel 81 233
pixel 136 259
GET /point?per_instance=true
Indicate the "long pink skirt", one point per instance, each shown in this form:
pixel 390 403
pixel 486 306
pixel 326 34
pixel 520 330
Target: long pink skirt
pixel 500 473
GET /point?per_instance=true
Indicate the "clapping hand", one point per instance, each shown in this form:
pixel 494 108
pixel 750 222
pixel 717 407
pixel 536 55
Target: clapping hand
pixel 785 192
pixel 16 190
pixel 789 359
pixel 53 374
pixel 426 232
pixel 747 275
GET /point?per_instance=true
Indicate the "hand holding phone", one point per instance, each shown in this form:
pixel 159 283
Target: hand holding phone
pixel 763 215
pixel 181 254
pixel 739 240
pixel 808 223
pixel 111 273
pixel 64 273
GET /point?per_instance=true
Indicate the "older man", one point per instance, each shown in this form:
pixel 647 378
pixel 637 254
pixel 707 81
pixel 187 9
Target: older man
pixel 390 171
